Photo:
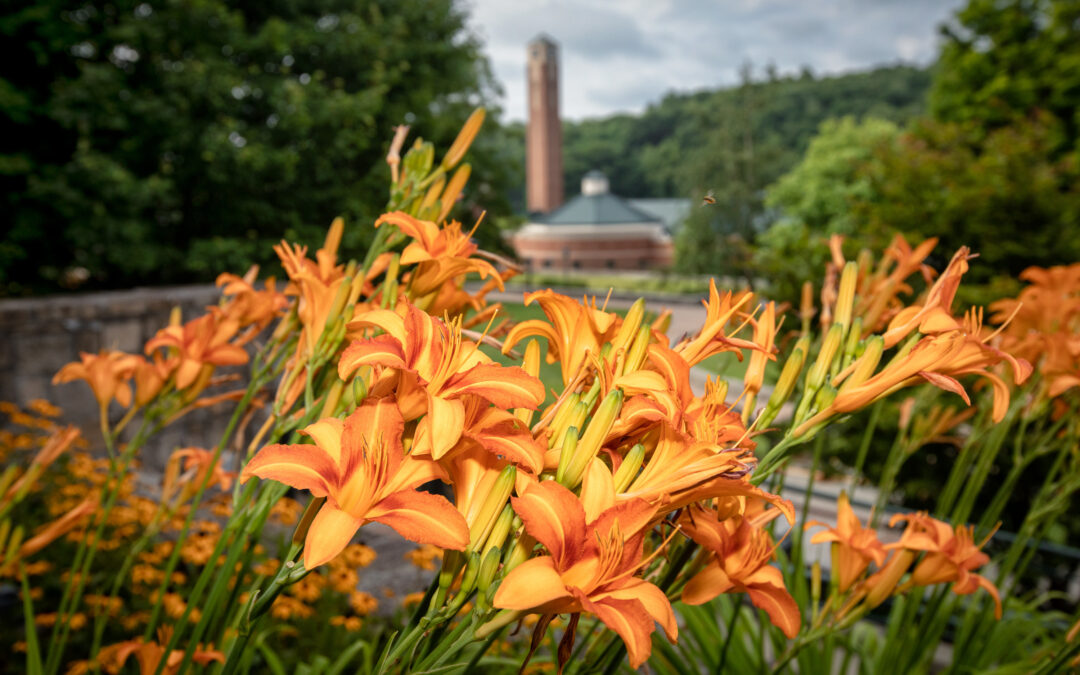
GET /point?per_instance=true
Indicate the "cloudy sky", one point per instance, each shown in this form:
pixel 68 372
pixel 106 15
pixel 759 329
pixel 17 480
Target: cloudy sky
pixel 621 55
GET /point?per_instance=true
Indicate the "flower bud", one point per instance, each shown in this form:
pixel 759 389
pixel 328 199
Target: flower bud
pixel 815 377
pixel 628 470
pixel 501 530
pixel 431 197
pixel 575 420
pixel 784 386
pixel 883 582
pixel 865 366
pixel 530 363
pixel 519 553
pixel 630 325
pixel 492 507
pixel 453 190
pixel 559 419
pixel 602 421
pixel 639 349
pixel 472 570
pixel 851 347
pixel 845 297
pixel 464 139
pixel 488 567
pixel 566 455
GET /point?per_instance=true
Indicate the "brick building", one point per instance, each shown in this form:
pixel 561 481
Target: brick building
pixel 595 230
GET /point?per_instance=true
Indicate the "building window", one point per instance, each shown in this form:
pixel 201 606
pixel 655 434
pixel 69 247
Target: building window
pixel 610 264
pixel 547 262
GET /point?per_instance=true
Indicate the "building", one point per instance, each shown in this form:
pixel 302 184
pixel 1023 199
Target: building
pixel 595 230
pixel 543 136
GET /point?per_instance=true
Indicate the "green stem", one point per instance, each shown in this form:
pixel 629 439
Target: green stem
pixel 864 445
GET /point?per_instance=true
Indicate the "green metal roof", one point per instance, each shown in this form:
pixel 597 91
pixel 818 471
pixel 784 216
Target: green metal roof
pixel 601 209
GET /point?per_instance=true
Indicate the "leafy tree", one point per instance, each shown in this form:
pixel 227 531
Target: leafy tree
pixel 1003 59
pixel 163 142
pixel 1004 193
pixel 816 199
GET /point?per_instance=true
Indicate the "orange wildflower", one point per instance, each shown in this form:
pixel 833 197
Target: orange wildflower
pixel 854 546
pixel 199 462
pixel 439 253
pixel 437 371
pixel 951 555
pixel 711 339
pixel 573 331
pixel 107 373
pixel 741 550
pixel 593 557
pixel 249 306
pixel 151 654
pixel 359 465
pixel 318 283
pixel 200 344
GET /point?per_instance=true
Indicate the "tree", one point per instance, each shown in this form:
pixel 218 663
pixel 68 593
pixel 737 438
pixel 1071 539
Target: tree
pixel 164 142
pixel 1004 59
pixel 815 200
pixel 1003 194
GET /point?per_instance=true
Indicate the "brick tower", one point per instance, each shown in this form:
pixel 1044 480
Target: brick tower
pixel 543 138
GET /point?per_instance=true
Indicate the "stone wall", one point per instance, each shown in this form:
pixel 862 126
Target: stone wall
pixel 39 335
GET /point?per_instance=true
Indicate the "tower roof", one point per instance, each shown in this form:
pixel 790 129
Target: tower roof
pixel 545 39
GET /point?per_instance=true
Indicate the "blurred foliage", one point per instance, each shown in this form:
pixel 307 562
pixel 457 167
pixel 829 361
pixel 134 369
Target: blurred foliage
pixel 673 148
pixel 163 142
pixel 1003 194
pixel 814 200
pixel 1001 60
pixel 996 167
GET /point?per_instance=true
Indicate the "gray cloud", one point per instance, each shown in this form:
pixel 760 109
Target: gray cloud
pixel 621 56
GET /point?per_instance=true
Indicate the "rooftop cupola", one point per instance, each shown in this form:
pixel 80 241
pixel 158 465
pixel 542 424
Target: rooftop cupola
pixel 594 183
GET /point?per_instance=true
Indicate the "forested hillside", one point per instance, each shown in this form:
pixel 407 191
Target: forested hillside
pixel 687 144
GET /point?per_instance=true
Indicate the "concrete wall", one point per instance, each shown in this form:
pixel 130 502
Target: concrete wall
pixel 39 335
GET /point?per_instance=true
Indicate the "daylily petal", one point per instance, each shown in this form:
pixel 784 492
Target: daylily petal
pixel 631 621
pixel 330 533
pixel 327 435
pixel 653 600
pixel 554 516
pixel 769 594
pixel 706 585
pixel 424 518
pixel 443 424
pixel 531 584
pixel 504 386
pixel 383 350
pixel 304 467
pixel 597 489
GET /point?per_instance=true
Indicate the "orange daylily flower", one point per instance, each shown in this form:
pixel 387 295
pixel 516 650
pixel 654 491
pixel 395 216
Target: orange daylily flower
pixel 317 282
pixel 436 372
pixel 593 557
pixel 764 335
pixel 150 655
pixel 199 462
pixel 249 306
pixel 439 253
pixel 573 331
pixel 359 465
pixel 52 531
pixel 933 315
pixel 711 339
pixel 741 550
pixel 200 343
pixel 878 292
pixel 854 545
pixel 951 555
pixel 107 373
